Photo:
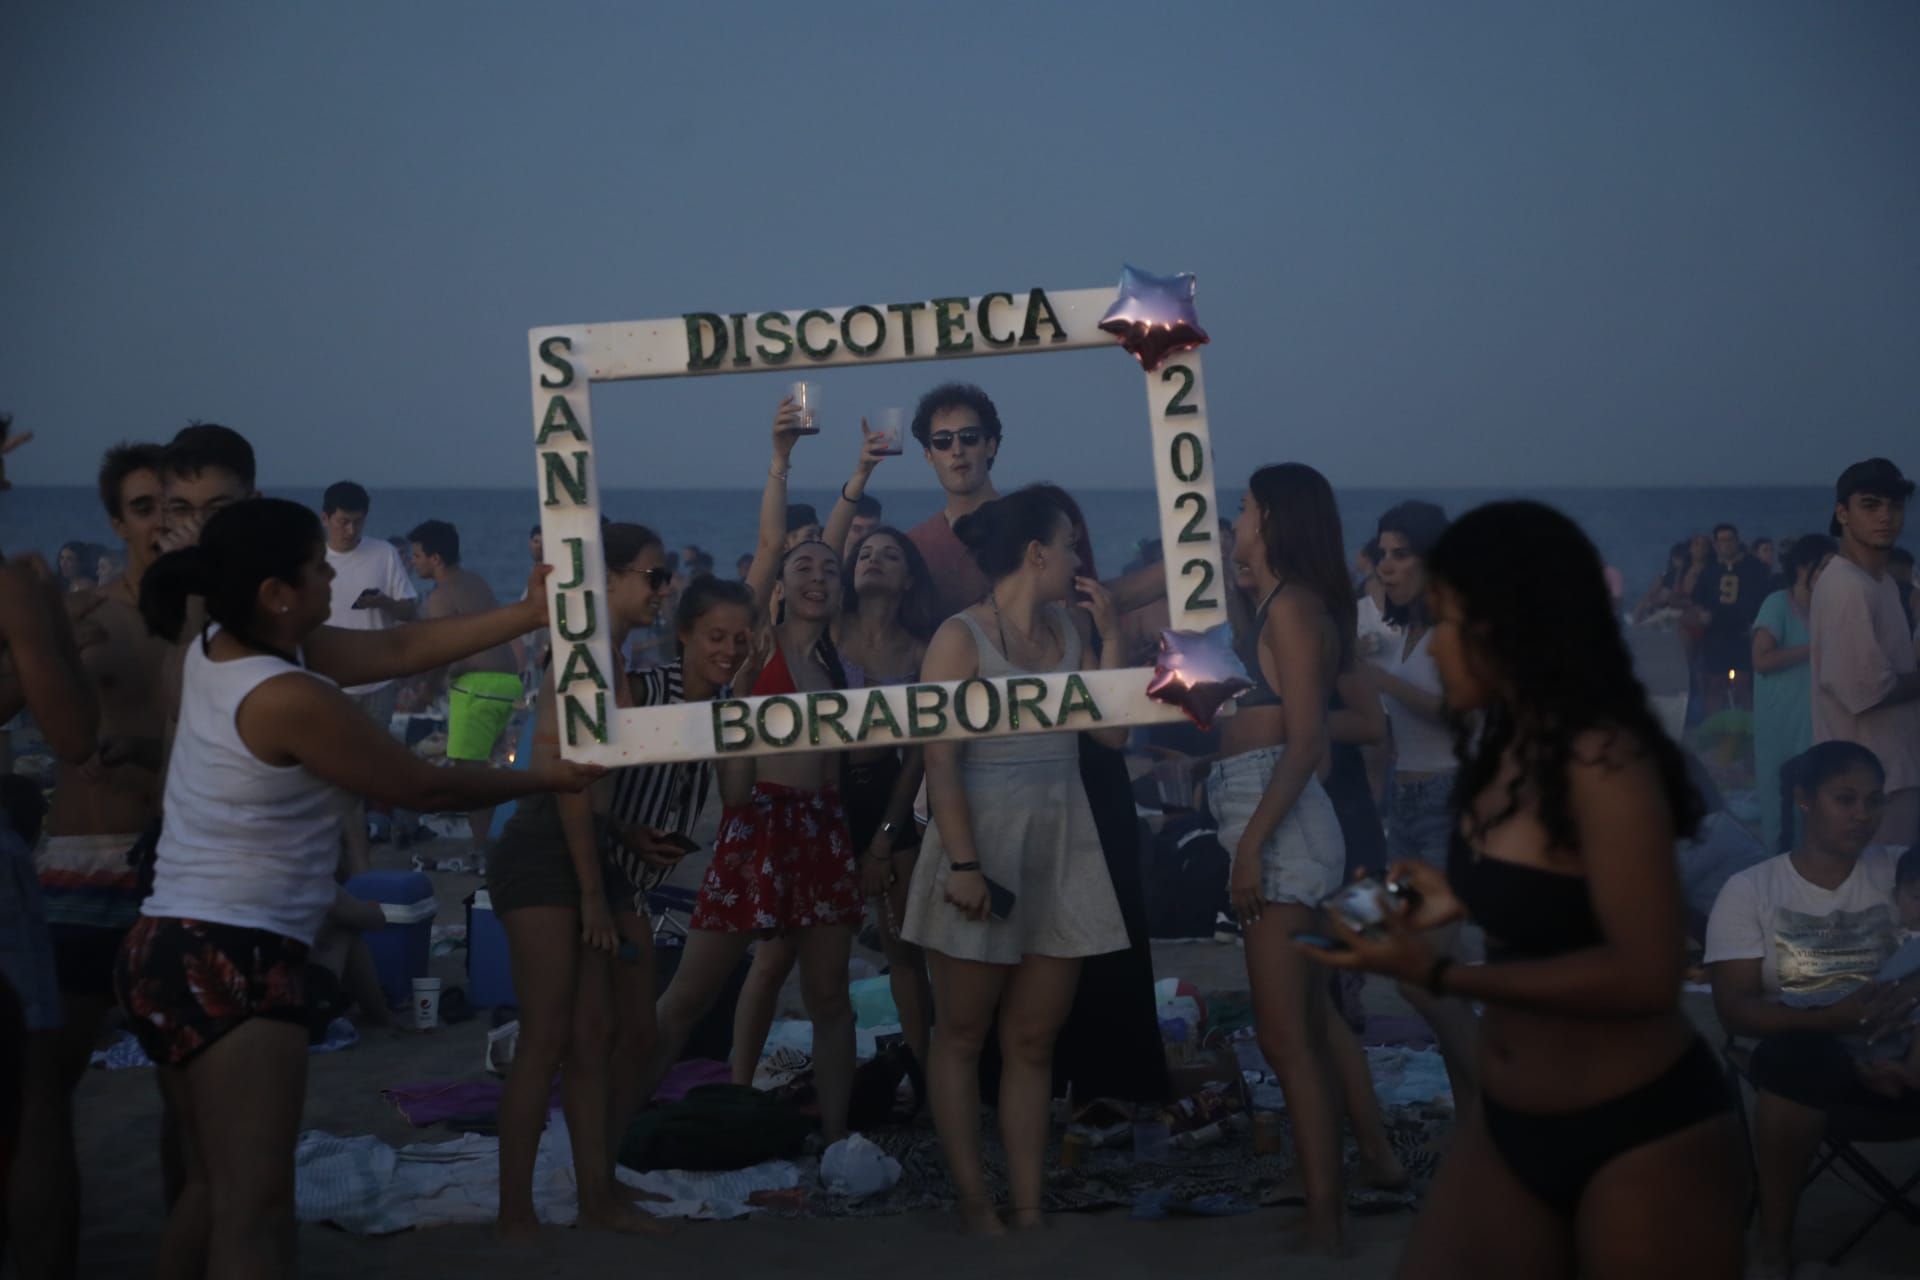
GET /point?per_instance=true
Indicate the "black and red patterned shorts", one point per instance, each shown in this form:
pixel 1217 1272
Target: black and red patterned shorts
pixel 783 861
pixel 186 983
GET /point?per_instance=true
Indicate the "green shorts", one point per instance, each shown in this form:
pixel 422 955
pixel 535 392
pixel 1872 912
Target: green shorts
pixel 479 705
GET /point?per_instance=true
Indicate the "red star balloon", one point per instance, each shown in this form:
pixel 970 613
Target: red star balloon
pixel 1154 317
pixel 1197 672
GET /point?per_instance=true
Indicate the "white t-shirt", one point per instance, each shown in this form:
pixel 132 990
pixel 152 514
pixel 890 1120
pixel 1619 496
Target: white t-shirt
pixel 374 565
pixel 1861 647
pixel 1420 745
pixel 1815 945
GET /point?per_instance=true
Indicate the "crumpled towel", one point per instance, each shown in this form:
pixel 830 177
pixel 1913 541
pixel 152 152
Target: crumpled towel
pixel 1402 1077
pixel 367 1187
pixel 124 1051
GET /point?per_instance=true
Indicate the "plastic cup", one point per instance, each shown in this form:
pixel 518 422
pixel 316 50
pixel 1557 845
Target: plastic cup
pixel 886 426
pixel 806 398
pixel 426 1003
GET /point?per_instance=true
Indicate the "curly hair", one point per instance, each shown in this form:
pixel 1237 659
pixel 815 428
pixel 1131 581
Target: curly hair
pixel 1538 611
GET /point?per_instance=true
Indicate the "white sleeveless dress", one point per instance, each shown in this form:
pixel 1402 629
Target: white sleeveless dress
pixel 1033 832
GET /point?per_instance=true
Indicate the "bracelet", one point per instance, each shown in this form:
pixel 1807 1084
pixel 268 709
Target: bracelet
pixel 957 867
pixel 845 496
pixel 1438 971
pixel 780 475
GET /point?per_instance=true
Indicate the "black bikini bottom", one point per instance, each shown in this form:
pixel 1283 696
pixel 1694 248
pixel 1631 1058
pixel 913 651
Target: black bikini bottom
pixel 1556 1154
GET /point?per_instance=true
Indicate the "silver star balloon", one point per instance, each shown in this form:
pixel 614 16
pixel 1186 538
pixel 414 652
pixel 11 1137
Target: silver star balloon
pixel 1154 317
pixel 1198 672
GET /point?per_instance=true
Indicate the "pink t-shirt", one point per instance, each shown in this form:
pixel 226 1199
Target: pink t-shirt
pixel 957 580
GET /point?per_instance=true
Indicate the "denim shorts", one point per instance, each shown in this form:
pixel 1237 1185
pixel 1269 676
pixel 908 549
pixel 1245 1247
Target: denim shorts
pixel 1420 820
pixel 1305 858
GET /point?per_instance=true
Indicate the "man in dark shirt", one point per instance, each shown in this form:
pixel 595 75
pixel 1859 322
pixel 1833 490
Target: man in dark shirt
pixel 1726 599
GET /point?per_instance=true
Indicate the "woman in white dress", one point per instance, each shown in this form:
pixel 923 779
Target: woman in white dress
pixel 1013 812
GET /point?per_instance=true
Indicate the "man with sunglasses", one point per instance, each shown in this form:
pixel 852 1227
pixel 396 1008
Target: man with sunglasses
pixel 959 429
pixel 483 689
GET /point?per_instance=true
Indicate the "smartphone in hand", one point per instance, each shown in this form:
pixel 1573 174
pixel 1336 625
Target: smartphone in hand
pixel 367 599
pixel 1000 900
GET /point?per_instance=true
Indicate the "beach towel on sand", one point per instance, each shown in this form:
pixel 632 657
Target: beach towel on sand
pixel 367 1187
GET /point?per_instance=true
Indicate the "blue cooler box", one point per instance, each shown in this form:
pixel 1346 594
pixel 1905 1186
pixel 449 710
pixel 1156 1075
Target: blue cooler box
pixel 401 950
pixel 489 973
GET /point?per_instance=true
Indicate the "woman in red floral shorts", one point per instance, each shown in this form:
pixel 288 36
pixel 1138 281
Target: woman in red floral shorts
pixel 267 745
pixel 784 863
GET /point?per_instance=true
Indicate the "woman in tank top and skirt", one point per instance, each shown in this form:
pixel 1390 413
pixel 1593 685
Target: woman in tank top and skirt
pixel 1010 813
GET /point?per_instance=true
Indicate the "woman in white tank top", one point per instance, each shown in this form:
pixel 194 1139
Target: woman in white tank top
pixel 212 975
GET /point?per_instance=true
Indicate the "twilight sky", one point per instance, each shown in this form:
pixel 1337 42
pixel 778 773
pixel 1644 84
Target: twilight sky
pixel 1478 243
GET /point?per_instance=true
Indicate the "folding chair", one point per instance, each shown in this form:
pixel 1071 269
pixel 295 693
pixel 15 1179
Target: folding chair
pixel 1848 1128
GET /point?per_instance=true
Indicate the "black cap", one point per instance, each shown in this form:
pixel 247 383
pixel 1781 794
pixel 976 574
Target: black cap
pixel 1876 476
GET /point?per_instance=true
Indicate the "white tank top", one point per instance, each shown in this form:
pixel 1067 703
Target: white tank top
pixel 1420 745
pixel 242 842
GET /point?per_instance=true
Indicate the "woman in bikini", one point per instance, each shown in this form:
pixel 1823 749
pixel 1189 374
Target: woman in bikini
pixel 1604 1144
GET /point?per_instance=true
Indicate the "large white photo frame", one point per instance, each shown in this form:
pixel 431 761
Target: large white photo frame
pixel 566 360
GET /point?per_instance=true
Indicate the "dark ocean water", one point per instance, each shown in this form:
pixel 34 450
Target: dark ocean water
pixel 1632 527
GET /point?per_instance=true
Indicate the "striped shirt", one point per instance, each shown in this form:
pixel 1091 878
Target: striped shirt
pixel 665 797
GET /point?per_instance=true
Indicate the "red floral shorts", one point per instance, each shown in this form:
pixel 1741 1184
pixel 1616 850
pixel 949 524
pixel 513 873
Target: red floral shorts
pixel 783 861
pixel 186 983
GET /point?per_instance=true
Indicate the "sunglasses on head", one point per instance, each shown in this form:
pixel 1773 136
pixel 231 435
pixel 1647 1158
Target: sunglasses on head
pixel 969 438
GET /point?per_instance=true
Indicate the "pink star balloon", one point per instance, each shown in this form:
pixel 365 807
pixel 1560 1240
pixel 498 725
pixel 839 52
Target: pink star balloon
pixel 1154 317
pixel 1197 672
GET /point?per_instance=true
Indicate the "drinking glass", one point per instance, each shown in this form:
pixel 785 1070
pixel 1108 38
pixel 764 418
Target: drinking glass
pixel 886 426
pixel 806 398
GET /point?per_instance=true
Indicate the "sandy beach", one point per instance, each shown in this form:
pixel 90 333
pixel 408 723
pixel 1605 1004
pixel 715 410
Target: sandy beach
pixel 118 1122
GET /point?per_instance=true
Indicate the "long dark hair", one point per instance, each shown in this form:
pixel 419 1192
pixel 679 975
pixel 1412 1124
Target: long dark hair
pixel 919 605
pixel 1536 600
pixel 1422 524
pixel 242 546
pixel 1300 527
pixel 824 648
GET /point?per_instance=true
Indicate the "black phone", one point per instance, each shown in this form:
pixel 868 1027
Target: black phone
pixel 365 599
pixel 685 844
pixel 1320 941
pixel 1000 899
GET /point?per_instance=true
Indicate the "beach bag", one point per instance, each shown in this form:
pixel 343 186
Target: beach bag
pixel 875 1100
pixel 716 1127
pixel 1187 881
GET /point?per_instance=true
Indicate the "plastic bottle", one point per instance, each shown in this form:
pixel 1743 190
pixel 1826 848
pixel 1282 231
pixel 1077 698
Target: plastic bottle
pixel 1152 1139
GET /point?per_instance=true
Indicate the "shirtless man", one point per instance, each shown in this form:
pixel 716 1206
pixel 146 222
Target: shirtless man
pixel 86 865
pixel 483 690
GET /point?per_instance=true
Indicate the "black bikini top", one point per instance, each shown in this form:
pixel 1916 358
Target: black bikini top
pixel 1528 912
pixel 1247 649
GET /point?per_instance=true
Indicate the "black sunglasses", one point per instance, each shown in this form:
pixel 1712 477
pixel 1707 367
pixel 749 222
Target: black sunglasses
pixel 969 438
pixel 659 578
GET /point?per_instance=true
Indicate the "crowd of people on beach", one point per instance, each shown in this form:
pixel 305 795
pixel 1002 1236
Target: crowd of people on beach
pixel 1462 729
